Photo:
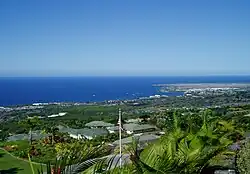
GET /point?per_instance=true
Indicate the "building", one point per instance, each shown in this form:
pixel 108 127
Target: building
pixel 136 120
pixel 36 135
pixel 57 115
pixel 113 129
pixel 142 139
pixel 138 128
pixel 84 133
pixel 98 124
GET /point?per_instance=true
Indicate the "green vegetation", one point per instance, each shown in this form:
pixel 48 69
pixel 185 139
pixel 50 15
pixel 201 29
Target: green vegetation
pixel 187 151
pixel 39 151
pixel 29 124
pixel 183 149
pixel 196 138
pixel 53 131
pixel 243 159
pixel 10 164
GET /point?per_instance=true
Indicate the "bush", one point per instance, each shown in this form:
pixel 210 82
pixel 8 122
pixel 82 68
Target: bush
pixel 38 153
pixel 22 153
pixel 243 159
pixel 46 154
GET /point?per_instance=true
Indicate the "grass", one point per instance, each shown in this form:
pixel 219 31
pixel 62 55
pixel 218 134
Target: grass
pixel 11 165
pixel 47 153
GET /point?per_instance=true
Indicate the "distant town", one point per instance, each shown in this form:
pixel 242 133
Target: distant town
pixel 203 88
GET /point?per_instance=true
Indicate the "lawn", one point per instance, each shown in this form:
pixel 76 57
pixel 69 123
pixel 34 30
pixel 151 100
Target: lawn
pixel 46 153
pixel 10 165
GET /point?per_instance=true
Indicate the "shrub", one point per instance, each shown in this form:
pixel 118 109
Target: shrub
pixel 243 159
pixel 22 153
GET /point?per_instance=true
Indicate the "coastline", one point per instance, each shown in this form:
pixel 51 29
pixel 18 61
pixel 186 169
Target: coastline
pixel 28 90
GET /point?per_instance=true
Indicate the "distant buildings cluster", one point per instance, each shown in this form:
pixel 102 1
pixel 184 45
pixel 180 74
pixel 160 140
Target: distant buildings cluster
pixel 143 132
pixel 210 91
pixel 19 108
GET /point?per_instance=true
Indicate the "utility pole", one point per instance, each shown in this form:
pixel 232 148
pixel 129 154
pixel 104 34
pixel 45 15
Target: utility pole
pixel 120 136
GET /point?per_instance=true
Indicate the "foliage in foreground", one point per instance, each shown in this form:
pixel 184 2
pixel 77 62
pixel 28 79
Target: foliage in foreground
pixel 179 151
pixel 74 158
pixel 243 159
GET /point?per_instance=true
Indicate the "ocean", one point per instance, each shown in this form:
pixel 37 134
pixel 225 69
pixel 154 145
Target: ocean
pixel 27 90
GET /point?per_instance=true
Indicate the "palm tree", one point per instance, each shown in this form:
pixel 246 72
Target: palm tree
pixel 76 158
pixel 182 152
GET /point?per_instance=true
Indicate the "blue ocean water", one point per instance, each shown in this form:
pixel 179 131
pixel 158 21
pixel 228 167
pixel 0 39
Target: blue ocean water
pixel 15 91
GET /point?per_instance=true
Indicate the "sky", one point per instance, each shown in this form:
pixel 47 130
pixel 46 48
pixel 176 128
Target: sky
pixel 127 38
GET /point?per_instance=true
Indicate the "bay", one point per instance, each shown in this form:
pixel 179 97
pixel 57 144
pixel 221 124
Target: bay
pixel 28 90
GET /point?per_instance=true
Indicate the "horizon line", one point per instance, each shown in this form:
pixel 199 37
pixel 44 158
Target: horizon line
pixel 81 76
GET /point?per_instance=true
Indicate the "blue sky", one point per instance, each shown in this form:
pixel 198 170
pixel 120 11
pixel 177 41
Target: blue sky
pixel 130 37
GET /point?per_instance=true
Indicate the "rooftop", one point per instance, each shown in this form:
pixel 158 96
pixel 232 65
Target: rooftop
pixel 85 131
pixel 36 135
pixel 113 128
pixel 141 139
pixel 136 127
pixel 132 121
pixel 98 124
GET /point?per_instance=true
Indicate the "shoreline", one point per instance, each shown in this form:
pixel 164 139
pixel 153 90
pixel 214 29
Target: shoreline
pixel 81 103
pixel 204 85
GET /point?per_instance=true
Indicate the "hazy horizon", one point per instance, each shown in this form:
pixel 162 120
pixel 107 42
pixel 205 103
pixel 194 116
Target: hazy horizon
pixel 160 76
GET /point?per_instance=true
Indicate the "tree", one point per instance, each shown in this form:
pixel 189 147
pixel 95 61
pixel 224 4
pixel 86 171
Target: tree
pixel 183 152
pixel 29 124
pixel 3 136
pixel 53 131
pixel 76 158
